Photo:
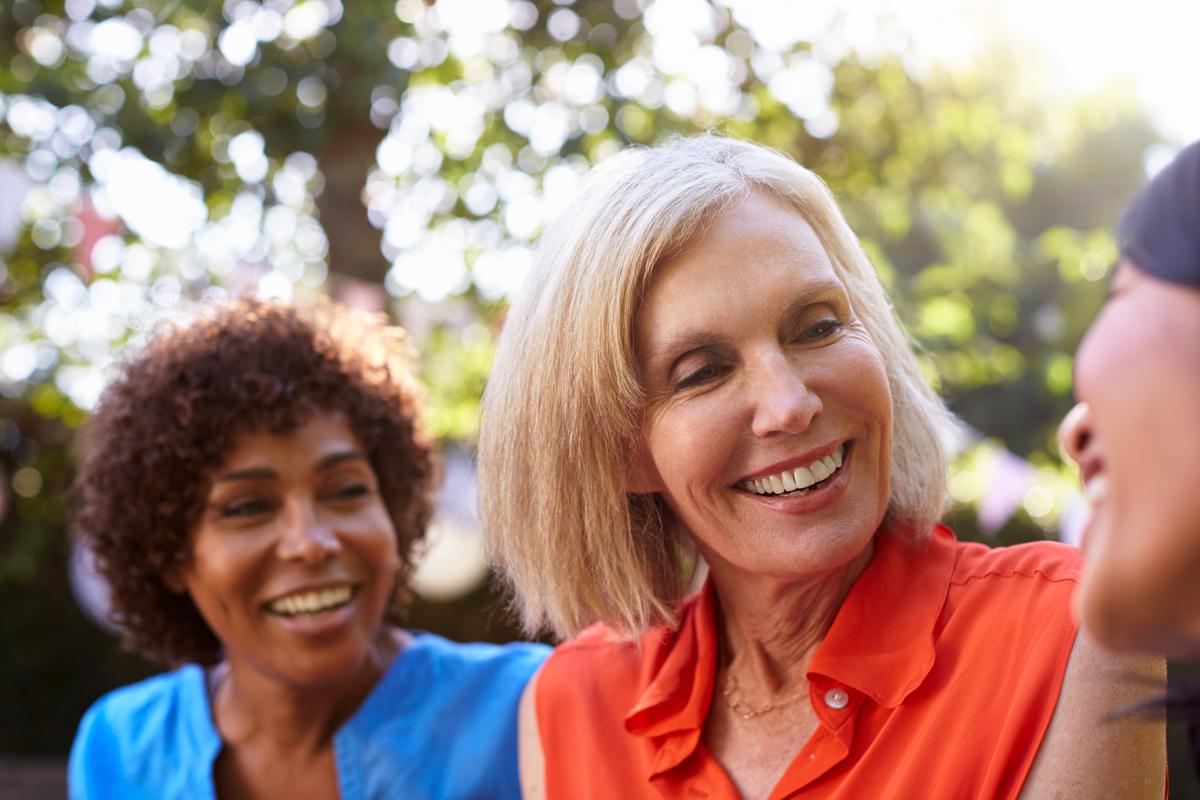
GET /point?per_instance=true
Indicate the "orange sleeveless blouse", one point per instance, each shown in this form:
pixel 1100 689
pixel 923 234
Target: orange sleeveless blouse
pixel 938 678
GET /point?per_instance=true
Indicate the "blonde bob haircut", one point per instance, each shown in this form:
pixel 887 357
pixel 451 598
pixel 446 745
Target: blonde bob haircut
pixel 562 412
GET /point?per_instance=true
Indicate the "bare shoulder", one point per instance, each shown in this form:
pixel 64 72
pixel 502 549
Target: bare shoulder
pixel 529 744
pixel 1092 750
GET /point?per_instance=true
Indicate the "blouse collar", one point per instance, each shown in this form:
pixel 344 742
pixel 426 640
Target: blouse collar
pixel 881 643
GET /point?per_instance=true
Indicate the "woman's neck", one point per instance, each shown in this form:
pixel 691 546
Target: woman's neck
pixel 770 628
pixel 252 706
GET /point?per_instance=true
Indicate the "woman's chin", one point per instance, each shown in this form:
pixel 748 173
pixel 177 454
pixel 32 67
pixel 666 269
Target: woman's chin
pixel 1132 612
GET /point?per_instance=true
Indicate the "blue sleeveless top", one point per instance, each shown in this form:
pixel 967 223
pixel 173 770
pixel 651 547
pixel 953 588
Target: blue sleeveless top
pixel 441 723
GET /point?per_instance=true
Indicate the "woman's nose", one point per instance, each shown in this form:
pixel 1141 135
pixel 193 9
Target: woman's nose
pixel 306 537
pixel 784 403
pixel 1075 432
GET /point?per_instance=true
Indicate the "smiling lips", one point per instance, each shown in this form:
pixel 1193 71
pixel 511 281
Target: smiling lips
pixel 311 601
pixel 1095 489
pixel 800 479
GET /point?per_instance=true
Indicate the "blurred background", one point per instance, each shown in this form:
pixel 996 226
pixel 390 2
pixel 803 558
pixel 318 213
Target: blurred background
pixel 404 156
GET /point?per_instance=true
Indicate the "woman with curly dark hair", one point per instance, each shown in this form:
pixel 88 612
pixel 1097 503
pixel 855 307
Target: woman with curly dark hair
pixel 252 485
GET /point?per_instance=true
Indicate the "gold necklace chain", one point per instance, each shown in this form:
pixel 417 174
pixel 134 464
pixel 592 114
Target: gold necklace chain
pixel 735 703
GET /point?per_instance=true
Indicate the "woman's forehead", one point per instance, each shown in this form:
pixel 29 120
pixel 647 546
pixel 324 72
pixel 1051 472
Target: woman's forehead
pixel 756 226
pixel 320 432
pixel 767 257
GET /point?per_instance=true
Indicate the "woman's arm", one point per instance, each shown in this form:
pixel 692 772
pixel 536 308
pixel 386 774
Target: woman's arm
pixel 529 744
pixel 1085 753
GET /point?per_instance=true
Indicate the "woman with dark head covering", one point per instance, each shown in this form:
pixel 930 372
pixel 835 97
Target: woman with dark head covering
pixel 252 486
pixel 1136 431
pixel 1135 435
pixel 705 368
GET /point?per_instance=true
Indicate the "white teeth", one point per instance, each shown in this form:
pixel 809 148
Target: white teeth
pixel 804 477
pixel 1096 489
pixel 798 478
pixel 820 471
pixel 311 602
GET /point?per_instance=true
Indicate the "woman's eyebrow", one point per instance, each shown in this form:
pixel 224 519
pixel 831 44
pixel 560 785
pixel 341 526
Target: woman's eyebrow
pixel 824 291
pixel 680 343
pixel 333 459
pixel 267 474
pixel 253 474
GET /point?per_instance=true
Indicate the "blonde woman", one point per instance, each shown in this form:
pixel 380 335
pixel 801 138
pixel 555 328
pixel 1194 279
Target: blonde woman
pixel 705 370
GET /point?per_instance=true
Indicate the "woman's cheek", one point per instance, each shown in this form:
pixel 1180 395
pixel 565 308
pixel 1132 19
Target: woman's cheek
pixel 1116 341
pixel 691 441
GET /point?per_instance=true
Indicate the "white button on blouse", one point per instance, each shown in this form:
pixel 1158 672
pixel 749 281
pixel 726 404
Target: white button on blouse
pixel 837 698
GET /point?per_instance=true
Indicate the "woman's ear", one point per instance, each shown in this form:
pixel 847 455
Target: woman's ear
pixel 643 477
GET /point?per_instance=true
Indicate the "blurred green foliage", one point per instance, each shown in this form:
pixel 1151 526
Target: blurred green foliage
pixel 335 147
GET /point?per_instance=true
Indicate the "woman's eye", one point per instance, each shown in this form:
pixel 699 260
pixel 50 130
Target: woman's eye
pixel 702 375
pixel 351 491
pixel 822 329
pixel 245 508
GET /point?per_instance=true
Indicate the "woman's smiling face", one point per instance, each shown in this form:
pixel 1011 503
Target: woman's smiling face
pixel 761 382
pixel 1135 437
pixel 294 558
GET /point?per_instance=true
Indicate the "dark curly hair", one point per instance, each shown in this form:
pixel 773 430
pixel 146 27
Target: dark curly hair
pixel 172 414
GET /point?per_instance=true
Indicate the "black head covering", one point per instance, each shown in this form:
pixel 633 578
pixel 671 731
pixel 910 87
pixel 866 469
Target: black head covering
pixel 1160 232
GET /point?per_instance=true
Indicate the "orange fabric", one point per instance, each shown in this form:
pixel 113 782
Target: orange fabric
pixel 952 655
